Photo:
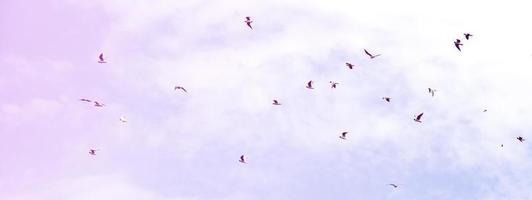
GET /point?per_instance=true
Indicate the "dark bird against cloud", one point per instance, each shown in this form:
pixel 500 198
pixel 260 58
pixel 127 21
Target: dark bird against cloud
pixel 371 55
pixel 93 151
pixel 101 58
pixel 309 85
pixel 333 84
pixel 388 99
pixel 467 35
pixel 457 44
pixel 343 136
pixel 242 159
pixel 521 139
pixel 248 22
pixel 180 88
pixel 275 102
pixel 418 118
pixel 349 65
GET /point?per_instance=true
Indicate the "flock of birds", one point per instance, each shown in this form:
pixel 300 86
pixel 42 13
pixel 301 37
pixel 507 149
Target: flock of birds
pixel 343 135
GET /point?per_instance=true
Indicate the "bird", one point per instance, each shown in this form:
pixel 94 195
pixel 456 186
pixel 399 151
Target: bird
pixel 502 145
pixel 86 100
pixel 467 35
pixel 93 151
pixel 485 110
pixel 123 119
pixel 343 135
pixel 248 22
pixel 388 99
pixel 418 118
pixel 393 185
pixel 349 65
pixel 431 91
pixel 180 88
pixel 275 102
pixel 98 104
pixel 309 85
pixel 242 159
pixel 333 84
pixel 457 44
pixel 101 58
pixel 370 55
pixel 521 139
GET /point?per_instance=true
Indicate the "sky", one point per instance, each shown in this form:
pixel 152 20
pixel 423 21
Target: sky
pixel 186 146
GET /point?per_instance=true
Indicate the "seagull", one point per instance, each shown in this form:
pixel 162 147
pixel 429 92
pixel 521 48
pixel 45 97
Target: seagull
pixel 98 104
pixel 349 65
pixel 333 84
pixel 248 22
pixel 431 91
pixel 388 99
pixel 123 119
pixel 521 139
pixel 457 44
pixel 275 102
pixel 467 35
pixel 86 100
pixel 418 118
pixel 343 135
pixel 101 59
pixel 93 151
pixel 242 159
pixel 309 85
pixel 180 88
pixel 394 185
pixel 369 54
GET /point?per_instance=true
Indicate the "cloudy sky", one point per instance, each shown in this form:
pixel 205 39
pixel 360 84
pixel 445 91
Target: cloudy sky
pixel 185 146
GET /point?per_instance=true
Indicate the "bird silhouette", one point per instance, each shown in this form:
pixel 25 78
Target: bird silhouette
pixel 467 35
pixel 248 22
pixel 457 44
pixel 333 84
pixel 418 118
pixel 431 91
pixel 349 65
pixel 393 185
pixel 98 104
pixel 521 139
pixel 93 151
pixel 275 102
pixel 309 85
pixel 101 58
pixel 242 159
pixel 123 119
pixel 371 55
pixel 388 99
pixel 86 100
pixel 343 136
pixel 180 88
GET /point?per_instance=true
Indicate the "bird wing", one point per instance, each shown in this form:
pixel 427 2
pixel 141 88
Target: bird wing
pixel 309 84
pixel 457 45
pixel 182 88
pixel 368 53
pixel 344 133
pixel 248 18
pixel 419 116
pixel 101 56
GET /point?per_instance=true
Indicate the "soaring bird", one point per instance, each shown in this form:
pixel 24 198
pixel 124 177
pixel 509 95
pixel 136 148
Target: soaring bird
pixel 93 151
pixel 123 119
pixel 98 104
pixel 309 85
pixel 457 44
pixel 101 58
pixel 86 100
pixel 521 139
pixel 431 91
pixel 467 35
pixel 343 135
pixel 275 102
pixel 393 185
pixel 248 22
pixel 349 65
pixel 242 159
pixel 180 88
pixel 370 55
pixel 333 84
pixel 418 118
pixel 388 99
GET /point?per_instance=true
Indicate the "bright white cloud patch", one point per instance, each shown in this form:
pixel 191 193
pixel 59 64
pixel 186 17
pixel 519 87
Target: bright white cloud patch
pixel 178 145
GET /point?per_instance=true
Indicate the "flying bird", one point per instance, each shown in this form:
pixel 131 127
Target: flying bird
pixel 101 59
pixel 502 145
pixel 418 118
pixel 333 84
pixel 431 91
pixel 180 88
pixel 98 104
pixel 393 185
pixel 275 102
pixel 457 44
pixel 485 110
pixel 123 119
pixel 86 100
pixel 349 65
pixel 93 151
pixel 309 85
pixel 467 35
pixel 521 139
pixel 343 136
pixel 248 22
pixel 388 99
pixel 242 159
pixel 370 55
